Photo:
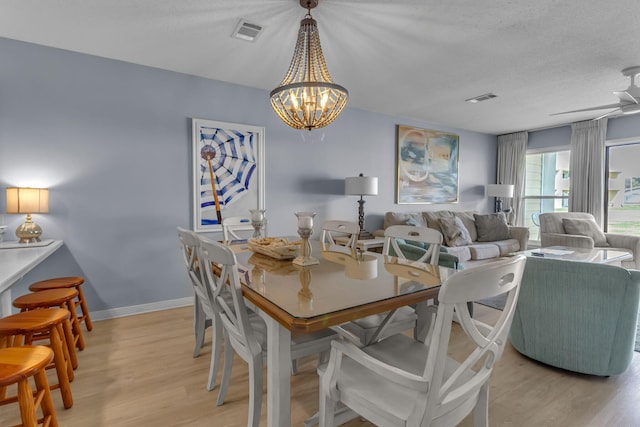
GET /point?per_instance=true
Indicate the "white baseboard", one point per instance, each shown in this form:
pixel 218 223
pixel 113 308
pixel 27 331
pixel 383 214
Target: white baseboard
pixel 139 309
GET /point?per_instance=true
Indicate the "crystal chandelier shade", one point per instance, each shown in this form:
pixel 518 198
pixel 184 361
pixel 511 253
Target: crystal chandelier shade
pixel 307 97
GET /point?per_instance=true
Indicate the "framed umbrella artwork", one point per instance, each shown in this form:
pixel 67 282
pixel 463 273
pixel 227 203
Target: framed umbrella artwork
pixel 228 172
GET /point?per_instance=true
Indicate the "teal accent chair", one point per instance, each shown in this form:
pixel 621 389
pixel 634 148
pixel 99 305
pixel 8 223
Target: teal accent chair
pixel 577 316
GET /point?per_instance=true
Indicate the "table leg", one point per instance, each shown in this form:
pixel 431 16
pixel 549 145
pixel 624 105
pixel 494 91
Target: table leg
pixel 426 321
pixel 278 374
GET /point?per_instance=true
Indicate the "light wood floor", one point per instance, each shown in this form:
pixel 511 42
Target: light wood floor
pixel 139 371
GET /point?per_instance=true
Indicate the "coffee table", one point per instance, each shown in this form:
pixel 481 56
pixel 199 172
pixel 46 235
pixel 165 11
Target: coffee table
pixel 595 255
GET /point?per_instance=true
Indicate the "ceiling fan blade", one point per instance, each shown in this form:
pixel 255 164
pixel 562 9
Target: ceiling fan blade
pixel 601 107
pixel 626 97
pixel 612 112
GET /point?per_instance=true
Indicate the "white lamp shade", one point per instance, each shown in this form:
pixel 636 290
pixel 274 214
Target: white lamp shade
pixel 500 190
pixel 361 186
pixel 27 200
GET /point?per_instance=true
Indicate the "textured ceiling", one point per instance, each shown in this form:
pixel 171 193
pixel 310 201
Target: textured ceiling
pixel 409 58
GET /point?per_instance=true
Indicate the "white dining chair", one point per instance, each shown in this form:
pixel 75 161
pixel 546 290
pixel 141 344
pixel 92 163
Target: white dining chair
pixel 395 235
pixel 401 381
pixel 204 312
pixel 379 326
pixel 336 228
pixel 232 225
pixel 245 331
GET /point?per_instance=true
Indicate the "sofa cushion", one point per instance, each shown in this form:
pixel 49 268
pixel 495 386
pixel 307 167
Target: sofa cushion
pixel 492 227
pixel 432 218
pixel 508 246
pixel 404 218
pixel 551 222
pixel 469 222
pixel 585 227
pixel 462 252
pixel 484 251
pixel 454 232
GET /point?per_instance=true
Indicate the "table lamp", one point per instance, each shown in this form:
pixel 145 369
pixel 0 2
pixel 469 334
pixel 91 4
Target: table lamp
pixel 361 186
pixel 500 191
pixel 28 201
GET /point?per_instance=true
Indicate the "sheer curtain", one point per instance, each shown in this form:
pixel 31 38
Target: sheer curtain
pixel 512 157
pixel 586 179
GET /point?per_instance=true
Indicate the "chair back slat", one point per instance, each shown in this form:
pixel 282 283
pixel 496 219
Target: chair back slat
pixel 398 233
pixel 189 244
pixel 485 281
pixel 333 228
pixel 231 226
pixel 224 279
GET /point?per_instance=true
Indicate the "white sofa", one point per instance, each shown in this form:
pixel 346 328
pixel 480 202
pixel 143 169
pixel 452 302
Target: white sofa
pixel 553 233
pixel 476 251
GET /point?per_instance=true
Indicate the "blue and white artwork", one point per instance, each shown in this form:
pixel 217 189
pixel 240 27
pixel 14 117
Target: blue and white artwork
pixel 228 163
pixel 427 166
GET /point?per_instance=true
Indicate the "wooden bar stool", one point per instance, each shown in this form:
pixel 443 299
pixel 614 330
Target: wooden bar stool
pixel 23 328
pixel 63 298
pixel 17 365
pixel 67 282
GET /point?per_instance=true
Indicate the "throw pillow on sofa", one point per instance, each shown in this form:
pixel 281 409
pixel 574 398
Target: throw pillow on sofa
pixel 416 221
pixel 454 232
pixel 433 218
pixel 585 227
pixel 492 227
pixel 469 223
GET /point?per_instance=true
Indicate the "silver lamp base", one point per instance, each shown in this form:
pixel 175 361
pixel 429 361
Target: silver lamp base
pixel 29 232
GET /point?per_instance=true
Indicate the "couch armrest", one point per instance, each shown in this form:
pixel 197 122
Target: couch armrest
pixel 521 234
pixel 571 240
pixel 625 241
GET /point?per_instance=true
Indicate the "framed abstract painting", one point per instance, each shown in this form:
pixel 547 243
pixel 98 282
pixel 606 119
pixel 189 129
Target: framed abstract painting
pixel 228 172
pixel 426 166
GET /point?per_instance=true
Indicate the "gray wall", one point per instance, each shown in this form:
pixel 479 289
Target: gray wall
pixel 617 128
pixel 111 140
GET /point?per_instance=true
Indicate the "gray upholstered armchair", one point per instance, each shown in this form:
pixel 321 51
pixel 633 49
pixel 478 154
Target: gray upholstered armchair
pixel 562 228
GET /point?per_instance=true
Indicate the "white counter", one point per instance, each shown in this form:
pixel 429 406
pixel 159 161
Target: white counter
pixel 16 262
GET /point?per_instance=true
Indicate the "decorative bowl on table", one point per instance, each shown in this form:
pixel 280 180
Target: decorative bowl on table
pixel 274 247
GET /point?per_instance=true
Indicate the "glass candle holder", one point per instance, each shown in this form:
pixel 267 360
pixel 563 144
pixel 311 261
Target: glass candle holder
pixel 305 230
pixel 257 221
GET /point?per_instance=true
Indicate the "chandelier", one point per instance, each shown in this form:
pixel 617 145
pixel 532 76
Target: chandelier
pixel 307 97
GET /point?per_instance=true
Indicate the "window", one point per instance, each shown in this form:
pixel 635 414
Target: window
pixel 622 204
pixel 546 187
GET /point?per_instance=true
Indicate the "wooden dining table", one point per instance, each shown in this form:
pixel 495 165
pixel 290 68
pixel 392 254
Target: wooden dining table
pixel 344 286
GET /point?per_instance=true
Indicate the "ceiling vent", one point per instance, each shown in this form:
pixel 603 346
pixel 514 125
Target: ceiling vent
pixel 481 98
pixel 247 31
